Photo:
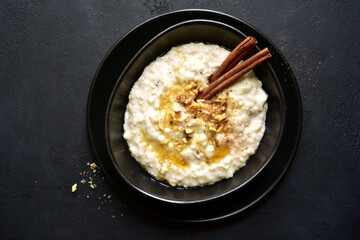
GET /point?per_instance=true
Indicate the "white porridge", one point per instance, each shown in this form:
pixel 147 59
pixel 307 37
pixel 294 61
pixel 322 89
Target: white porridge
pixel 187 142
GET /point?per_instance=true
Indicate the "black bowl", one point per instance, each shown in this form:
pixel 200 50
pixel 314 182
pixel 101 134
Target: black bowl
pixel 189 31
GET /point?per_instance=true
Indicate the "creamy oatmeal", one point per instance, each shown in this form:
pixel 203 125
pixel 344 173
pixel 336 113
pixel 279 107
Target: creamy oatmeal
pixel 188 142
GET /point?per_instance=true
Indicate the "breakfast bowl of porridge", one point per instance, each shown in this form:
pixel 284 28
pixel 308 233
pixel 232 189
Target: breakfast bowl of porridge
pixel 186 123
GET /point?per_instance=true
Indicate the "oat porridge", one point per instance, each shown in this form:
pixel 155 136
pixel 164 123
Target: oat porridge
pixel 190 142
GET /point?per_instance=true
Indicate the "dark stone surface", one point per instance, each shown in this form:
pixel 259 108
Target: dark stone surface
pixel 49 52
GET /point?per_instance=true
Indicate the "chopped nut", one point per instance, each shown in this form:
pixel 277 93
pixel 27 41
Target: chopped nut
pixel 194 105
pixel 83 181
pixel 187 101
pixel 74 187
pixel 206 112
pixel 161 125
pixel 93 166
pixel 188 130
pixel 212 129
pixel 220 117
pixel 190 86
pixel 219 129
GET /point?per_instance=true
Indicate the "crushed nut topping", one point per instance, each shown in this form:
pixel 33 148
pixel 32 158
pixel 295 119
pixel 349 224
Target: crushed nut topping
pixel 213 112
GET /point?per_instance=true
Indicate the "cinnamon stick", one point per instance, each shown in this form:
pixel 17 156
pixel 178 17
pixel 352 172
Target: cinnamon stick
pixel 234 74
pixel 234 57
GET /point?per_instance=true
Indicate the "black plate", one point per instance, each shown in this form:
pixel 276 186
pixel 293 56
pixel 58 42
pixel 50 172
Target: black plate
pixel 109 71
pixel 190 31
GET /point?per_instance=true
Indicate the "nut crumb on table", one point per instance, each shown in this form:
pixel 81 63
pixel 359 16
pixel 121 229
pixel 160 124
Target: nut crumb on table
pixel 74 187
pixel 103 197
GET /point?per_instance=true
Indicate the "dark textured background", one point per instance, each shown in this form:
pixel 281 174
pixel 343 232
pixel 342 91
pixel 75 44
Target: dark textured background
pixel 49 52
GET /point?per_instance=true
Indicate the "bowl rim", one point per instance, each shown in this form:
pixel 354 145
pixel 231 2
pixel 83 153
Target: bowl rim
pixel 115 89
